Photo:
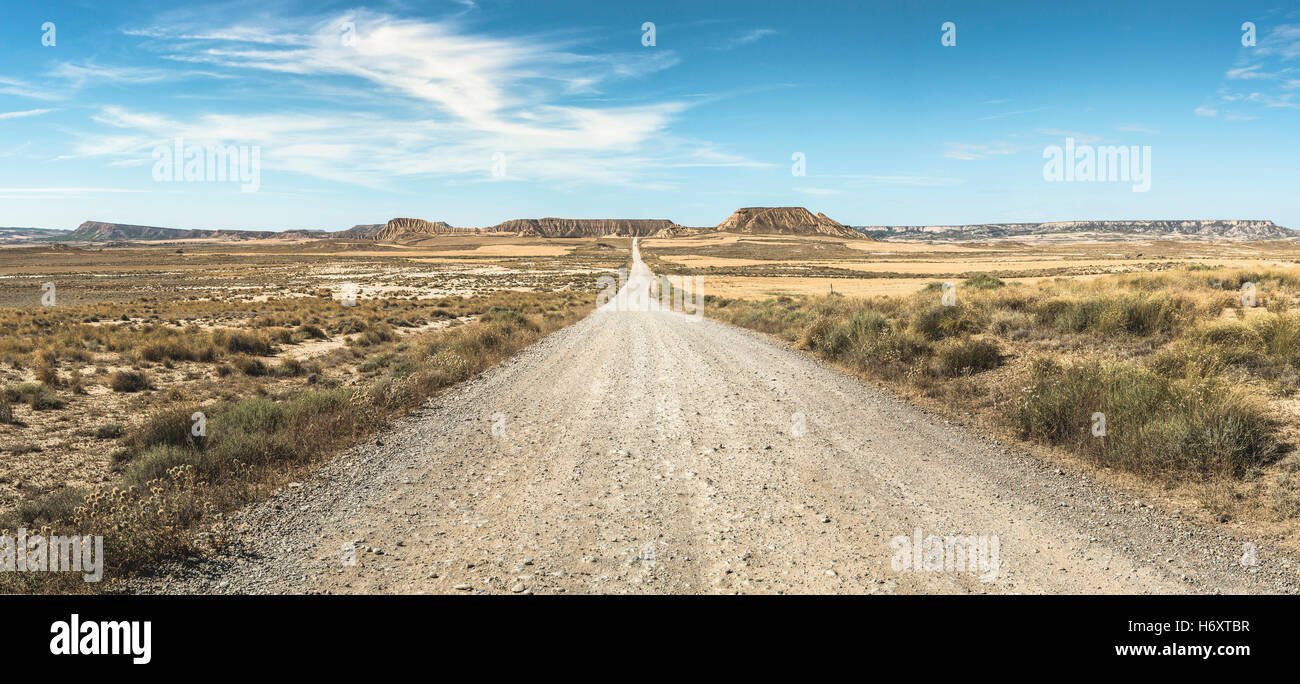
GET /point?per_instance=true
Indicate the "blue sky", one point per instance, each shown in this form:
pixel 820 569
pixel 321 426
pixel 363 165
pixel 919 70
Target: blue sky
pixel 474 112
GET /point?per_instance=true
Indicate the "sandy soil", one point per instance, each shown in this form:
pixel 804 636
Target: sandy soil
pixel 660 453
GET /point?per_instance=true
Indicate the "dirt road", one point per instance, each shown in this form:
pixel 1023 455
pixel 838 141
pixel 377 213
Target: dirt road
pixel 658 452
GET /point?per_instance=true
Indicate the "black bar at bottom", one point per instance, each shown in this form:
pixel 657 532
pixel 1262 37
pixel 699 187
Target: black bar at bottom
pixel 346 633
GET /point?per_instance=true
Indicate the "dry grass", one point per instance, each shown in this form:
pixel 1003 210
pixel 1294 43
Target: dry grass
pixel 172 486
pixel 98 391
pixel 757 267
pixel 1190 399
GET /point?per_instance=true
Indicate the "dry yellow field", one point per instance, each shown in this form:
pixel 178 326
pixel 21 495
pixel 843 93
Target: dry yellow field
pixel 510 251
pixel 756 267
pixel 741 287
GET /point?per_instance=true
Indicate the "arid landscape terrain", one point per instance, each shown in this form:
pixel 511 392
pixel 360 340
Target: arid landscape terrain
pixel 169 382
pixel 354 329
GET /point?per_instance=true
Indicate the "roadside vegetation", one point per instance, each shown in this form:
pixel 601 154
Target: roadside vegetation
pixel 271 404
pixel 1163 375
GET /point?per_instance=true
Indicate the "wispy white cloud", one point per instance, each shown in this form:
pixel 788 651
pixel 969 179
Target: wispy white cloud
pixel 1018 112
pixel 23 114
pixel 1082 138
pixel 1249 73
pixel 858 181
pixel 77 75
pixel 12 86
pixel 746 38
pixel 1266 67
pixel 966 151
pixel 819 192
pixel 48 194
pixel 452 101
pixel 1262 98
pixel 67 190
pixel 914 180
pixel 1282 41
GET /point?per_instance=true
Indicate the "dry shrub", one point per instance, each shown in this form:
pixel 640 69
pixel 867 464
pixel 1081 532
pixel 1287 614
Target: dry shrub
pixel 128 381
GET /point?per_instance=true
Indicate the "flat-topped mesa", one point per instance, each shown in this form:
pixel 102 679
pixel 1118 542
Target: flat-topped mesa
pixel 784 221
pixel 1201 229
pixel 577 228
pixel 400 228
pixel 101 231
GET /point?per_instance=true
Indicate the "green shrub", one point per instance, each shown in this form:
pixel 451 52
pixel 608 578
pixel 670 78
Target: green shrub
pixel 249 366
pixel 37 396
pixel 128 381
pixel 1139 314
pixel 156 462
pixel 248 416
pixel 1279 335
pixel 311 331
pixel 937 321
pixel 509 319
pixel 176 349
pixel 971 355
pixel 109 431
pixel 288 368
pixel 1154 425
pixel 169 426
pixel 241 342
pixel 983 281
pixel 377 362
pixel 48 507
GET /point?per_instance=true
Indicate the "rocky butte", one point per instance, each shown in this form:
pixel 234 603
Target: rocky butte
pixel 784 221
pixel 400 228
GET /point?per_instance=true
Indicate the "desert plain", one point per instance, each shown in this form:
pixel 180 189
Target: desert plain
pixel 100 381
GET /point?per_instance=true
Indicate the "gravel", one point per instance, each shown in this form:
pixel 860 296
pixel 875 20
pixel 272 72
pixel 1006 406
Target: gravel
pixel 660 453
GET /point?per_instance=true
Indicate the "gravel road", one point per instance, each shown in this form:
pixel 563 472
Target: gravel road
pixel 655 452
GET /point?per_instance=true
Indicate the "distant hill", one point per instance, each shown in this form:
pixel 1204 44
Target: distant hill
pixel 784 221
pixel 399 229
pixel 752 220
pixel 570 228
pixel 1061 231
pixel 361 231
pixel 15 234
pixel 99 231
pixel 745 221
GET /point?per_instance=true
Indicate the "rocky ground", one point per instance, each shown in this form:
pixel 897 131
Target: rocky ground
pixel 654 452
